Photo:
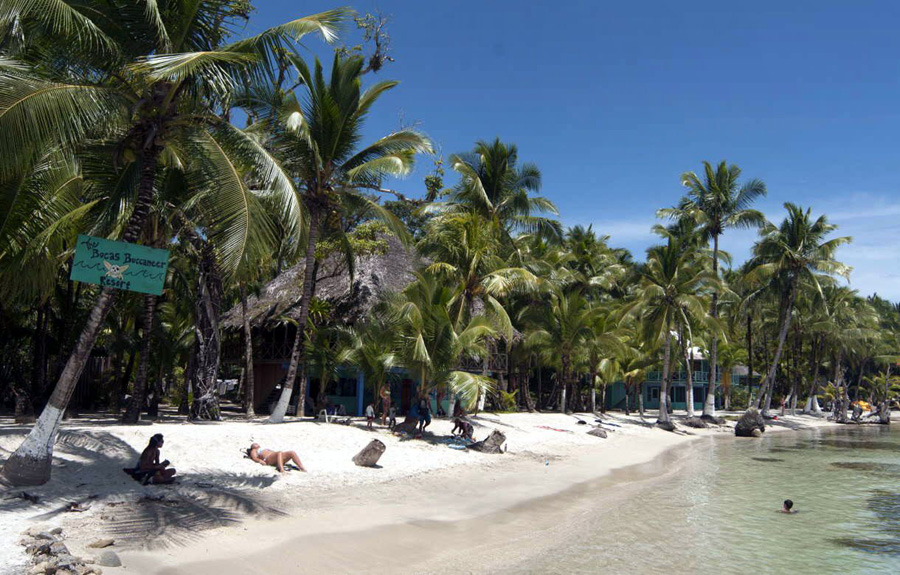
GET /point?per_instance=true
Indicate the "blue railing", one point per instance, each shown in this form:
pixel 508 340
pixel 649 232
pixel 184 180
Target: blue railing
pixel 681 376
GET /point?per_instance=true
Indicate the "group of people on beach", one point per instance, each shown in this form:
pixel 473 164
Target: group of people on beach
pixel 150 468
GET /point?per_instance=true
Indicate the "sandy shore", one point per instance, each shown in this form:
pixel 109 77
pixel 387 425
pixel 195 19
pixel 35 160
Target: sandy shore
pixel 424 505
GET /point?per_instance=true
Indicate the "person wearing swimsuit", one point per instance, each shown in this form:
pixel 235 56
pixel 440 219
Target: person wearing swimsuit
pixel 265 456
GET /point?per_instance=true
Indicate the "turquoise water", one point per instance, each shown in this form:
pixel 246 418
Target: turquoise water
pixel 716 511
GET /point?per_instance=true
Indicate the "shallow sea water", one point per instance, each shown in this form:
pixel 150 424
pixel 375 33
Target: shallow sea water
pixel 717 512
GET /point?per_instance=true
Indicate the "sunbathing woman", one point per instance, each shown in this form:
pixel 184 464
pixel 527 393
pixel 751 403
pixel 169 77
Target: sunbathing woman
pixel 149 462
pixel 265 456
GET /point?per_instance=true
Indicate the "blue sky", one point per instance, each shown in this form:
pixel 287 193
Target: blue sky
pixel 613 101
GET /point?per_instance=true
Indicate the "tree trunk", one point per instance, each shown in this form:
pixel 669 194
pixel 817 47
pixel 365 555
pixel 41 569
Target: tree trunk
pixel 689 371
pixel 726 389
pixel 30 463
pixel 184 407
pixel 640 394
pixel 564 383
pixel 206 330
pixel 603 399
pixel 308 277
pixel 249 399
pixel 136 405
pixel 540 387
pixel 749 361
pixel 768 383
pixel 153 406
pixel 709 407
pixel 664 389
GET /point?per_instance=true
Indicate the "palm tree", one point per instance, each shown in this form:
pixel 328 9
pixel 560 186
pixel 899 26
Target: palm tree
pixel 560 328
pixel 466 252
pixel 431 345
pixel 715 204
pixel 148 81
pixel 793 253
pixel 670 295
pixel 494 185
pixel 319 143
pixel 372 349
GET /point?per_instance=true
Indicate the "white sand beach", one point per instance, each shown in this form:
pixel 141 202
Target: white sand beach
pixel 229 515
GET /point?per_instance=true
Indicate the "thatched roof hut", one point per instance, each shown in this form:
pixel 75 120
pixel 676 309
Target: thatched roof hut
pixel 374 274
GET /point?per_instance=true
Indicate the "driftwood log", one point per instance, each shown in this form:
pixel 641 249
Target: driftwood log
pixel 493 443
pixel 370 454
pixel 751 424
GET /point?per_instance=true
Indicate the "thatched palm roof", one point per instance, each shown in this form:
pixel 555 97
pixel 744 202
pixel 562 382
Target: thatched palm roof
pixel 374 275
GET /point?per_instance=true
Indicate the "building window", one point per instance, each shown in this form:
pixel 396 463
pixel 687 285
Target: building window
pixel 679 395
pixel 654 394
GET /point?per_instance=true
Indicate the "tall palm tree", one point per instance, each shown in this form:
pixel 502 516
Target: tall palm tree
pixel 319 142
pixel 495 186
pixel 673 282
pixel 793 253
pixel 149 81
pixel 715 203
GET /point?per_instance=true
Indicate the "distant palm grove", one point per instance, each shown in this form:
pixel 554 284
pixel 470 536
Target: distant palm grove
pixel 152 123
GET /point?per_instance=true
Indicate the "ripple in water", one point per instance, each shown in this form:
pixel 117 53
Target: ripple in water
pixel 767 459
pixel 869 467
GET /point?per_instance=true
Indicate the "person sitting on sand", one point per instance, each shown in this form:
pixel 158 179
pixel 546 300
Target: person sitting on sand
pixel 370 416
pixel 788 507
pixel 150 462
pixel 265 456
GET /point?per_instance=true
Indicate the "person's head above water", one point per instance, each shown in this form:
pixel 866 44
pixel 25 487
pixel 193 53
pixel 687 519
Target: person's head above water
pixel 788 505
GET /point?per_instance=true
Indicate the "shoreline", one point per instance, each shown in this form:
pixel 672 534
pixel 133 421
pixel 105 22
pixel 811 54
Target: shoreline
pixel 429 519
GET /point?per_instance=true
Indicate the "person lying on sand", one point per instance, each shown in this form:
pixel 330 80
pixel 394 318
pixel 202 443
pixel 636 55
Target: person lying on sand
pixel 788 507
pixel 149 461
pixel 265 456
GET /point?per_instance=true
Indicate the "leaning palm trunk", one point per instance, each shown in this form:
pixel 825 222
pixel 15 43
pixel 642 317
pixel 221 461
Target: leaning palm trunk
pixel 249 400
pixel 277 415
pixel 136 405
pixel 709 406
pixel 30 463
pixel 564 383
pixel 664 389
pixel 769 383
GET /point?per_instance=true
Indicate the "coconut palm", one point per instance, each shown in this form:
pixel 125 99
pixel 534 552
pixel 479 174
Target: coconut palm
pixel 372 349
pixel 494 185
pixel 713 204
pixel 789 255
pixel 149 81
pixel 559 328
pixel 673 282
pixel 431 346
pixel 319 142
pixel 467 254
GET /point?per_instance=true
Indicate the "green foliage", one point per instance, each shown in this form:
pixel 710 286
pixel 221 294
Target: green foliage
pixel 740 397
pixel 508 400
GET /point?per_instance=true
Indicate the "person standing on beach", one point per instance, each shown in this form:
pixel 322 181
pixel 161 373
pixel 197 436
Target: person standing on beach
pixel 385 403
pixel 424 413
pixel 370 416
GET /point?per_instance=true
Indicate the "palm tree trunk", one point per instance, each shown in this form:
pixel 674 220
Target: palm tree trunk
pixel 30 463
pixel 664 389
pixel 564 383
pixel 277 415
pixel 136 405
pixel 249 400
pixel 689 390
pixel 184 405
pixel 709 406
pixel 749 360
pixel 769 382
